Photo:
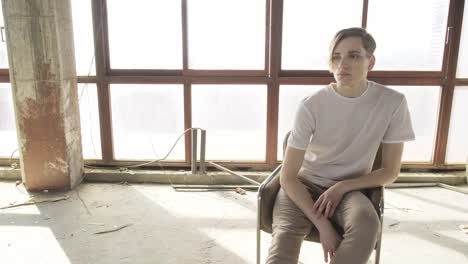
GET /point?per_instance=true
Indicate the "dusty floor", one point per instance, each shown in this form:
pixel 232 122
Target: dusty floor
pixel 421 226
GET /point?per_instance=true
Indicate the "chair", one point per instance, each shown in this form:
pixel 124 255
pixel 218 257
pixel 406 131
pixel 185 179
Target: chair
pixel 269 188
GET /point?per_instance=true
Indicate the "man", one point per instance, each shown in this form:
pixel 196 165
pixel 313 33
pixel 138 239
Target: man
pixel 341 127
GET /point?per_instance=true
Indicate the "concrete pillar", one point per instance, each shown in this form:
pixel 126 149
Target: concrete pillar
pixel 40 47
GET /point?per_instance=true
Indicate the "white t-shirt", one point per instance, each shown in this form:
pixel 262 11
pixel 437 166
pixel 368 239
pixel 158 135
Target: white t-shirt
pixel 341 135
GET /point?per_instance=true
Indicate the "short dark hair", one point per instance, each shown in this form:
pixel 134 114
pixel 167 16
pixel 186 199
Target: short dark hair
pixel 368 42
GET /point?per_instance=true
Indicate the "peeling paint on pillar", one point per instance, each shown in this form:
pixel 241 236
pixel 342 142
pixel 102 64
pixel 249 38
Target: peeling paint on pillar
pixel 58 165
pixel 40 47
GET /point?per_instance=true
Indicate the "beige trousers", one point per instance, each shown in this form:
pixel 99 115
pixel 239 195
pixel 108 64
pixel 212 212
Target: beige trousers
pixel 355 215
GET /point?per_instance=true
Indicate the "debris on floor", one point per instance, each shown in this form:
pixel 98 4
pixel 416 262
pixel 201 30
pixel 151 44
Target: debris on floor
pixel 36 200
pixel 18 183
pixel 394 224
pixel 101 224
pixel 102 205
pixel 116 228
pixel 241 191
pixel 464 228
pixel 14 165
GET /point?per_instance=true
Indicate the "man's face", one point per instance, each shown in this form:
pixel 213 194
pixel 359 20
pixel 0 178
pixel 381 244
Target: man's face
pixel 350 62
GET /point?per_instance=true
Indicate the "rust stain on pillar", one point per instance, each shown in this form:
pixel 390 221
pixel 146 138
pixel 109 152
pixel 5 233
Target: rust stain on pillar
pixel 43 77
pixel 44 146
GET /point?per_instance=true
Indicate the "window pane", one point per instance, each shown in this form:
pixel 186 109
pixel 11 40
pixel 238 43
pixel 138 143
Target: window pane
pixel 147 120
pixel 308 28
pixel 414 43
pixel 234 117
pixel 89 119
pixel 3 47
pixel 457 145
pixel 423 104
pixel 8 137
pixel 145 34
pixel 230 36
pixel 83 37
pixel 462 69
pixel 290 97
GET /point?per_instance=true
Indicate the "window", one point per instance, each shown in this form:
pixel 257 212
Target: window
pixel 230 36
pixel 145 34
pixel 218 49
pixel 457 145
pixel 89 121
pixel 83 37
pixel 8 137
pixel 308 28
pixel 423 105
pixel 147 119
pixel 414 43
pixel 462 69
pixel 3 47
pixel 290 97
pixel 234 117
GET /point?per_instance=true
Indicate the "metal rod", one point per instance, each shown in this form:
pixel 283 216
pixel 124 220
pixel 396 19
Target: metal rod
pixel 259 215
pixel 435 184
pixel 410 185
pixel 202 152
pixel 233 173
pixel 185 186
pixel 452 188
pixel 194 151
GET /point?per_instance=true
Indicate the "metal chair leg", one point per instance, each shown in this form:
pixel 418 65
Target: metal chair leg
pixel 377 253
pixel 258 246
pixel 379 242
pixel 258 231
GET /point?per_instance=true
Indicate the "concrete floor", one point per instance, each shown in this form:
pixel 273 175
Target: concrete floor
pixel 421 226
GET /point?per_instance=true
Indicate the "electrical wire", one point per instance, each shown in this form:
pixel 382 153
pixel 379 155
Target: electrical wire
pixel 11 158
pixel 156 160
pixel 86 84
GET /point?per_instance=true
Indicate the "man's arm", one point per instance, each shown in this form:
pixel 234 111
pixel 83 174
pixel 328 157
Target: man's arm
pixel 298 193
pixel 391 163
pixel 295 190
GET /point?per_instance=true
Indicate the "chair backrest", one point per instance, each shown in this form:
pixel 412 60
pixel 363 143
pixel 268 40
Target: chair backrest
pixel 267 194
pixel 270 187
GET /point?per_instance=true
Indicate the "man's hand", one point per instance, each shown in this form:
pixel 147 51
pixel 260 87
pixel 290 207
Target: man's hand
pixel 328 201
pixel 329 239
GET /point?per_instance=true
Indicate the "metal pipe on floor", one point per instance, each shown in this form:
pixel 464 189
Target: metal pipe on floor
pixel 409 185
pixel 426 184
pixel 233 173
pixel 218 186
pixel 453 188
